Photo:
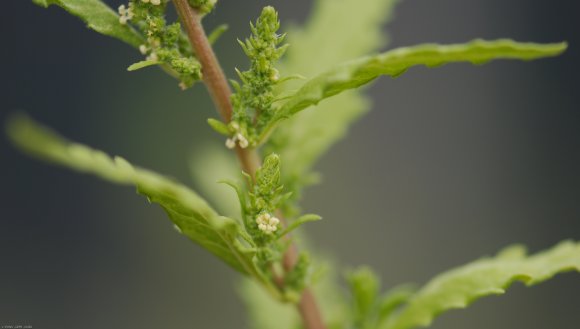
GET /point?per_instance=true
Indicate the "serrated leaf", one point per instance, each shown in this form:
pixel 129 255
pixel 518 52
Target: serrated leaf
pixel 188 211
pixel 142 64
pixel 99 17
pixel 302 139
pixel 490 276
pixel 395 62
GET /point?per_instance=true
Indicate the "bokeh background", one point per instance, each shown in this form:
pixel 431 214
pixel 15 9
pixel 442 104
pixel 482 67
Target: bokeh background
pixel 451 164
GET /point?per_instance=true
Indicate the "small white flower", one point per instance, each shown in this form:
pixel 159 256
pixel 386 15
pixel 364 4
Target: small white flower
pixel 143 49
pixel 125 14
pixel 242 140
pixel 239 139
pixel 156 2
pixel 230 143
pixel 267 223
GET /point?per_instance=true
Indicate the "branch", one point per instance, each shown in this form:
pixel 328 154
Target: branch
pixel 220 92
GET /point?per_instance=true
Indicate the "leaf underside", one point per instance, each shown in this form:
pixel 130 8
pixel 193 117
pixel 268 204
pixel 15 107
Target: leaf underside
pixel 99 17
pixel 460 287
pixel 395 62
pixel 187 210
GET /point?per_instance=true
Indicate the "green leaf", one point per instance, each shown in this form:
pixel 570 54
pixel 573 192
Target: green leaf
pixel 489 276
pixel 219 127
pixel 325 41
pixel 322 43
pixel 99 17
pixel 217 33
pixel 395 62
pixel 188 211
pixel 142 64
pixel 299 222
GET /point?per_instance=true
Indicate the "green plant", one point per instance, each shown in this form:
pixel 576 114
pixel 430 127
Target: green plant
pixel 261 120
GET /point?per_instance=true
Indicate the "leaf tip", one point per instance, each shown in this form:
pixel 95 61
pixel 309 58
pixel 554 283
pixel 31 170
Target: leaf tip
pixel 41 3
pixel 142 64
pixel 19 128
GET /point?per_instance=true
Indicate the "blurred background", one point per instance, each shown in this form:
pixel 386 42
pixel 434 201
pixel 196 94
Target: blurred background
pixel 450 165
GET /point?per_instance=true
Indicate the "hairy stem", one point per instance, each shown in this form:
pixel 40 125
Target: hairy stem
pixel 220 92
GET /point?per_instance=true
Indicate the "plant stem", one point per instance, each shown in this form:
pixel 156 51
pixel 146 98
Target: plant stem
pixel 213 75
pixel 220 92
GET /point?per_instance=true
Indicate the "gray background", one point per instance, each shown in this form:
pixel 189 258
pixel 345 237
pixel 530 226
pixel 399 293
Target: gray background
pixel 450 165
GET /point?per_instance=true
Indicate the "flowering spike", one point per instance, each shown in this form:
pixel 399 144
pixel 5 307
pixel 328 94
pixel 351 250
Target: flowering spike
pixel 252 102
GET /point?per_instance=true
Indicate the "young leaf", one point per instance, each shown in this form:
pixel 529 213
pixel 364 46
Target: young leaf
pixel 299 222
pixel 395 62
pixel 217 33
pixel 188 211
pixel 219 126
pixel 490 276
pixel 99 17
pixel 142 64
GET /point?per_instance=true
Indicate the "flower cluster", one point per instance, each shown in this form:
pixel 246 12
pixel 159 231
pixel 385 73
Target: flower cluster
pixel 237 137
pixel 125 13
pixel 267 223
pixel 165 43
pixel 263 199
